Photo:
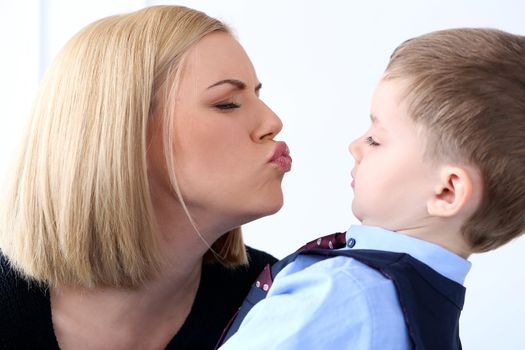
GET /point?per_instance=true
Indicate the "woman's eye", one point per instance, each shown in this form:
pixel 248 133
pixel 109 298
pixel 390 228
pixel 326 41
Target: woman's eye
pixel 371 142
pixel 229 105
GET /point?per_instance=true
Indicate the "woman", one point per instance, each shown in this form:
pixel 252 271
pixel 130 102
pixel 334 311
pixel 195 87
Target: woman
pixel 148 149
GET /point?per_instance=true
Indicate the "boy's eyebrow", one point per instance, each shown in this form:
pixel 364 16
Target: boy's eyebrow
pixel 376 123
pixel 236 83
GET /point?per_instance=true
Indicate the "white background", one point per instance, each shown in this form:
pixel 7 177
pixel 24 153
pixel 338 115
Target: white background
pixel 319 62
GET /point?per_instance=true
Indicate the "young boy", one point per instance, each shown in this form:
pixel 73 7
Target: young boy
pixel 438 176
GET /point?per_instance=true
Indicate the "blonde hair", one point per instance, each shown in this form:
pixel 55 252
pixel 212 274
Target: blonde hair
pixel 467 89
pixel 79 209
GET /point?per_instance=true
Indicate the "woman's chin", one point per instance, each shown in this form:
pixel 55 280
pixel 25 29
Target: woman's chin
pixel 262 211
pixel 274 206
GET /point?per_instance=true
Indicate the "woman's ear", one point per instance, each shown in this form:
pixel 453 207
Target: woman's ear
pixel 454 192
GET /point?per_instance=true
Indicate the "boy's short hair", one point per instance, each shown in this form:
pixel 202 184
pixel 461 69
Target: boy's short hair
pixel 466 87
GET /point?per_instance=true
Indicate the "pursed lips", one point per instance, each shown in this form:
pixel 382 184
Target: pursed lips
pixel 281 156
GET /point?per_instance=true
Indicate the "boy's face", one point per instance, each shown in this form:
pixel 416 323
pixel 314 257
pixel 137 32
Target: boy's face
pixel 392 180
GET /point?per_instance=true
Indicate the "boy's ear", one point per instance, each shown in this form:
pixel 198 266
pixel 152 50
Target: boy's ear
pixel 454 192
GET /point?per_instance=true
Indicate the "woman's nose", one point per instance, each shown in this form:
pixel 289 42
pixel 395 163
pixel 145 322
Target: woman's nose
pixel 270 126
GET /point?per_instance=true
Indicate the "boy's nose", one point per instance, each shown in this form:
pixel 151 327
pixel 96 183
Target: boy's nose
pixel 355 150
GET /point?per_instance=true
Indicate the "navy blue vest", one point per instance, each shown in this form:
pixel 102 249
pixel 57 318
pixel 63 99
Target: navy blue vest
pixel 431 303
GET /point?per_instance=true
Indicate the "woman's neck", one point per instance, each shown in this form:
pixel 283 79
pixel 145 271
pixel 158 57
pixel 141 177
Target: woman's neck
pixel 143 318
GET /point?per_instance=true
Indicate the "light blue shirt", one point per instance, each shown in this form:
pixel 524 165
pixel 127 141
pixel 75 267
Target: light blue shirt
pixel 340 303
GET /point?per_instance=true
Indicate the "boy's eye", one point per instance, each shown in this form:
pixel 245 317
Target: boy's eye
pixel 371 142
pixel 228 105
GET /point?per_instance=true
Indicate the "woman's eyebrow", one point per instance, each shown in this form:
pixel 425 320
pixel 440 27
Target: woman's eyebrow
pixel 236 83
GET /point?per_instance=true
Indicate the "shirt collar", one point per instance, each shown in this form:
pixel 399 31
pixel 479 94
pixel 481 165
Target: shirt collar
pixel 438 258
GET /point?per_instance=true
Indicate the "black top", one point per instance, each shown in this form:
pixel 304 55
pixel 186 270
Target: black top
pixel 25 312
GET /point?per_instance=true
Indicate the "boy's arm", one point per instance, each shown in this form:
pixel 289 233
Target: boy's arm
pixel 335 303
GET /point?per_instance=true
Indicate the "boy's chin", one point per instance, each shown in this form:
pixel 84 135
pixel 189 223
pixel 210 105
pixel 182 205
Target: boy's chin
pixel 357 214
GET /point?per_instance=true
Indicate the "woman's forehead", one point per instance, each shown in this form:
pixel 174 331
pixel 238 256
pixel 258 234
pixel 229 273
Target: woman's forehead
pixel 216 57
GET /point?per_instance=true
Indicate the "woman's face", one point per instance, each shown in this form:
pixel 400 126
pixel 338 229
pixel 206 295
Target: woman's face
pixel 228 165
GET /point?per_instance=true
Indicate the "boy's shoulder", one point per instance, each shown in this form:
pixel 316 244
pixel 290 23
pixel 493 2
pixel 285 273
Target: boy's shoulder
pixel 370 275
pixel 370 268
pixel 337 266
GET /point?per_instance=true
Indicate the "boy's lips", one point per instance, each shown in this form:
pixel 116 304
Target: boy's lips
pixel 281 156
